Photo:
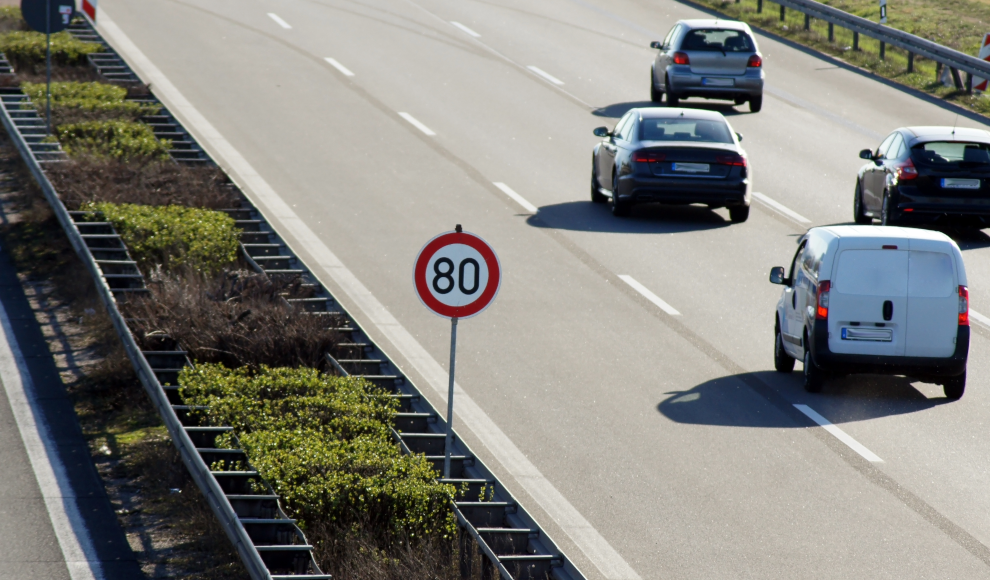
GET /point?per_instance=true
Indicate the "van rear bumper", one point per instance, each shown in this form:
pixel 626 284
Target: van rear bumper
pixel 915 366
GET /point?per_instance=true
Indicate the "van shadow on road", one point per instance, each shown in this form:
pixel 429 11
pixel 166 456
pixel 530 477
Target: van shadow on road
pixel 650 218
pixel 729 402
pixel 616 110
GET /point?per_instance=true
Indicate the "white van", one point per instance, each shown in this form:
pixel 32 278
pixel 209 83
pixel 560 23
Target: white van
pixel 883 300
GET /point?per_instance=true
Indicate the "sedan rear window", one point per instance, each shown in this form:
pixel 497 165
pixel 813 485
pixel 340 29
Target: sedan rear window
pixel 684 129
pixel 718 41
pixel 952 153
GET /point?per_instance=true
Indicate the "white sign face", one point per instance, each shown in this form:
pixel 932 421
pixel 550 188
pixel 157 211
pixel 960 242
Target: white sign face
pixel 456 275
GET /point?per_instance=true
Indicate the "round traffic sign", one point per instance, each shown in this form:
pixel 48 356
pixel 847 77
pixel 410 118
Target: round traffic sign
pixel 457 275
pixel 58 12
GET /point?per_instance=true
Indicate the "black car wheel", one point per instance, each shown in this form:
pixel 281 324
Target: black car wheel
pixel 782 362
pixel 655 95
pixel 596 194
pixel 672 99
pixel 886 217
pixel 739 214
pixel 619 208
pixel 813 380
pixel 756 103
pixel 859 211
pixel 954 387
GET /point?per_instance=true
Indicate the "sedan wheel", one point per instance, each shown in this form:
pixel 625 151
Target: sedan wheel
pixel 739 214
pixel 619 208
pixel 596 194
pixel 859 212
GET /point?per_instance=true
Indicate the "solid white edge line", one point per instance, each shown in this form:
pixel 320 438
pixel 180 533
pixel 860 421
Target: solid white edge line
pixel 546 75
pixel 518 198
pixel 343 69
pixel 412 121
pixel 839 433
pixel 278 20
pixel 465 29
pixel 781 208
pixel 42 451
pixel 649 295
pixel 979 318
pixel 598 550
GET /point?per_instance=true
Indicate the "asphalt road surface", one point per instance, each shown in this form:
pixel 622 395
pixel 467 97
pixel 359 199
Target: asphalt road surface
pixel 669 433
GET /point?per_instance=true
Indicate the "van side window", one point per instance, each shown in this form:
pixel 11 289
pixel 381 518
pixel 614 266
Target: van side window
pixel 795 263
pixel 813 253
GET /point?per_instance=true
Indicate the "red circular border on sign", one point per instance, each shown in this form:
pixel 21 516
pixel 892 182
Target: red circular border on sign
pixel 487 253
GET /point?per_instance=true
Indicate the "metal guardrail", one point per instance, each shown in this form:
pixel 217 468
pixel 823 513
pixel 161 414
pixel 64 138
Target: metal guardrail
pixel 509 540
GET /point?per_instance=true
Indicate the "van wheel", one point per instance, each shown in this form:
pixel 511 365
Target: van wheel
pixel 813 379
pixel 954 387
pixel 859 212
pixel 782 362
pixel 739 214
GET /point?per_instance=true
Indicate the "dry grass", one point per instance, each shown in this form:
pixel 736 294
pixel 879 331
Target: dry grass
pixel 90 179
pixel 235 319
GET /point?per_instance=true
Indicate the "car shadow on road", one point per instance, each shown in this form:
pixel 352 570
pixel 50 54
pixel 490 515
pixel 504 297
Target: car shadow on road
pixel 649 218
pixel 729 401
pixel 616 110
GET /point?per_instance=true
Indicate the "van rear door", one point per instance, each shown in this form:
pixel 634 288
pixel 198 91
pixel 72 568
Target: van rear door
pixel 868 302
pixel 933 300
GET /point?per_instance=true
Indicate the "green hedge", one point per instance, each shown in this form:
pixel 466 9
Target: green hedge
pixel 117 139
pixel 324 444
pixel 28 48
pixel 173 236
pixel 102 99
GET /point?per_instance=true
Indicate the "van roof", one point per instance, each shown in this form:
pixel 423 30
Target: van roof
pixel 885 232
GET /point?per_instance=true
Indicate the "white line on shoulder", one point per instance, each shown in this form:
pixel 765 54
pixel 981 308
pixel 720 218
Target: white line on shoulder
pixel 465 29
pixel 518 198
pixel 649 295
pixel 343 69
pixel 782 208
pixel 415 123
pixel 979 318
pixel 546 75
pixel 280 22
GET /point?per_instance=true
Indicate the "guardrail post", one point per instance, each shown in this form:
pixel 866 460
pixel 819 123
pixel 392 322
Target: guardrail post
pixel 910 62
pixel 969 83
pixel 807 22
pixel 855 40
pixel 955 78
pixel 759 6
pixel 783 12
pixel 883 46
pixel 465 549
pixel 831 32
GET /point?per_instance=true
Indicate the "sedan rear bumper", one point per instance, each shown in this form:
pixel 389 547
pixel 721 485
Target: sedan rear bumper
pixel 682 191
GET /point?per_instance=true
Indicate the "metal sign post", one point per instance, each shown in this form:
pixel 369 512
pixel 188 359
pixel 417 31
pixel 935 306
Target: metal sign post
pixel 456 275
pixel 48 16
pixel 48 64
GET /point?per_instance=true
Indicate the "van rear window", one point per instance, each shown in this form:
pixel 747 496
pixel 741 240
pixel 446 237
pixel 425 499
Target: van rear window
pixel 871 273
pixel 930 275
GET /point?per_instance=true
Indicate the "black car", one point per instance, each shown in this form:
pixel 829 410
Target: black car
pixel 926 175
pixel 672 156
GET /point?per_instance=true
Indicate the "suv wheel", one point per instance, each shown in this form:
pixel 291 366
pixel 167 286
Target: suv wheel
pixel 954 387
pixel 619 208
pixel 782 362
pixel 756 103
pixel 859 212
pixel 739 214
pixel 672 99
pixel 596 195
pixel 813 379
pixel 655 95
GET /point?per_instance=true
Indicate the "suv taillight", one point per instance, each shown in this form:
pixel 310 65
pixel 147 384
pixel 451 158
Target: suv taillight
pixel 821 313
pixel 963 306
pixel 755 61
pixel 906 171
pixel 681 58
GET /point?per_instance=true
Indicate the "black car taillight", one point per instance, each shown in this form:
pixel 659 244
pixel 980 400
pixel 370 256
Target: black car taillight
pixel 645 157
pixel 738 160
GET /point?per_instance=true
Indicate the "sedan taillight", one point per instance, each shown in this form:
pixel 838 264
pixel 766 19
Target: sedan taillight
pixel 681 58
pixel 644 157
pixel 737 160
pixel 755 61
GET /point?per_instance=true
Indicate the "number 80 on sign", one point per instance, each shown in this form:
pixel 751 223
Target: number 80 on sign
pixel 457 275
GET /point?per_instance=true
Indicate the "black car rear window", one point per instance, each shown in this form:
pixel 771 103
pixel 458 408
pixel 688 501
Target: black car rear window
pixel 718 41
pixel 685 129
pixel 951 153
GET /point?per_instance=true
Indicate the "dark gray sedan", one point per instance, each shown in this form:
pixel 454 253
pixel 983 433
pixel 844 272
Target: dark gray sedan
pixel 673 156
pixel 713 59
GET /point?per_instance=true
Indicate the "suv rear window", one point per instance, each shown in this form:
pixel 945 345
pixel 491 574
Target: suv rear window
pixel 951 153
pixel 684 129
pixel 718 41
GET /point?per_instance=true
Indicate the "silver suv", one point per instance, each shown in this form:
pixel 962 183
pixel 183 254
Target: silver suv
pixel 712 59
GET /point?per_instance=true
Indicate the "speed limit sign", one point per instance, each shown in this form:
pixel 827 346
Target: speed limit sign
pixel 457 275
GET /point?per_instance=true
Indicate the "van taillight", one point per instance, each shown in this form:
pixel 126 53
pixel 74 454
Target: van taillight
pixel 963 306
pixel 822 312
pixel 681 58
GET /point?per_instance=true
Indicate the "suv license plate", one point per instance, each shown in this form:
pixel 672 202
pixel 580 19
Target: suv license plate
pixel 869 334
pixel 953 183
pixel 718 82
pixel 690 167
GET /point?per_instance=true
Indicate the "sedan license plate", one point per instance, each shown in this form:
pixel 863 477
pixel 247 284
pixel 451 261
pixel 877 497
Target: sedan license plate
pixel 955 183
pixel 869 334
pixel 718 82
pixel 690 167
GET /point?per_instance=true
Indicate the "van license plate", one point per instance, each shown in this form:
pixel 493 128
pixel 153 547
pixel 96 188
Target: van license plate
pixel 954 183
pixel 869 334
pixel 718 82
pixel 690 167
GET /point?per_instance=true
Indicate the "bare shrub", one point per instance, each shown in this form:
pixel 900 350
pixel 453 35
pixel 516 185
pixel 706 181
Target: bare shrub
pixel 148 182
pixel 235 319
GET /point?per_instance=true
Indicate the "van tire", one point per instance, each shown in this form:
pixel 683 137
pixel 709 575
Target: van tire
pixel 954 387
pixel 782 362
pixel 859 212
pixel 813 379
pixel 739 214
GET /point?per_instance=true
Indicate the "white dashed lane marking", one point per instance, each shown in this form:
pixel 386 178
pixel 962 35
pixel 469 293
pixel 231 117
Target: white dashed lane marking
pixel 343 69
pixel 280 22
pixel 412 121
pixel 839 434
pixel 649 295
